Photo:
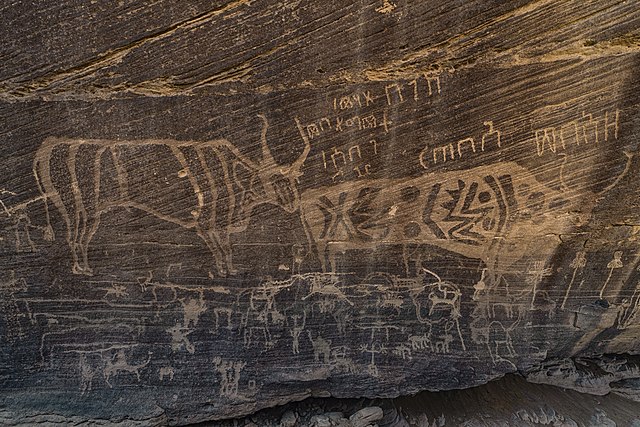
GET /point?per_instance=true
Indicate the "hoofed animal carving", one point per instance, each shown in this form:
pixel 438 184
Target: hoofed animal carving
pixel 478 213
pixel 210 187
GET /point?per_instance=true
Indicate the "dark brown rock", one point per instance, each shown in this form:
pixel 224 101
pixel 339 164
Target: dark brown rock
pixel 216 208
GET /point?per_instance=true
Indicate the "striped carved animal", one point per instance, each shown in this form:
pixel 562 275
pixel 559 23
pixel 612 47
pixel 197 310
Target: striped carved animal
pixel 210 187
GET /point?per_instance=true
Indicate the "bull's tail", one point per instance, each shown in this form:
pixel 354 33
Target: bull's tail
pixel 48 233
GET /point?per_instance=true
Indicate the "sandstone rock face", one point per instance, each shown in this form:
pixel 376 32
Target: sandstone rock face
pixel 214 208
pixel 509 401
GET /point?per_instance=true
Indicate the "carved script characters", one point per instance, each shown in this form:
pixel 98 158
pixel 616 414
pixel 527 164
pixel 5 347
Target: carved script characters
pixel 341 162
pixel 455 151
pixel 585 130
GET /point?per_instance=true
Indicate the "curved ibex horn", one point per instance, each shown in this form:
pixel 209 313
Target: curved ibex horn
pixel 266 153
pixel 297 165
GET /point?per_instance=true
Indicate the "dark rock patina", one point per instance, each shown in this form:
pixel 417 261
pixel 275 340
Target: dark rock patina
pixel 213 208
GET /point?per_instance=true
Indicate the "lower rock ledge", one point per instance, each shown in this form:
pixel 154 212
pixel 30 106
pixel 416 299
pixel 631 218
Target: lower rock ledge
pixel 509 401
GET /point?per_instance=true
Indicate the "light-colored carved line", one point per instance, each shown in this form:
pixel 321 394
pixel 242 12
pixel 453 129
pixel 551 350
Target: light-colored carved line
pixel 96 191
pixel 54 141
pixel 42 164
pixel 227 181
pixel 212 186
pixel 223 246
pixel 121 173
pixel 144 208
pixel 619 177
pixel 192 179
pixel 79 210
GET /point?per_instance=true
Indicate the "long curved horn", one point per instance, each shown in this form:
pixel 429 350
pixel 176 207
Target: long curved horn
pixel 297 165
pixel 266 153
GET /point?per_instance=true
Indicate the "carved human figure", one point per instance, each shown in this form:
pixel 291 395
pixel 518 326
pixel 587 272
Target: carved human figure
pixel 229 371
pixel 296 330
pixel 615 263
pixel 479 287
pixel 167 371
pixel 87 373
pixel 578 263
pixel 534 275
pixel 321 347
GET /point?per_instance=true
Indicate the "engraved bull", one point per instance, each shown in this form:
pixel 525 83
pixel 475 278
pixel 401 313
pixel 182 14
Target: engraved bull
pixel 484 213
pixel 210 187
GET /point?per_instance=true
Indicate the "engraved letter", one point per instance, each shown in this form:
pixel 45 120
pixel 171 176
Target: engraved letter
pixel 345 103
pixel 352 122
pixel 422 158
pixel 435 81
pixel 461 142
pixel 375 146
pixel 575 133
pixel 590 129
pixel 368 99
pixel 398 90
pixel 313 130
pixel 335 154
pixel 322 120
pixel 414 83
pixel 607 125
pixel 443 150
pixel 369 122
pixel 548 136
pixel 357 149
pixel 490 132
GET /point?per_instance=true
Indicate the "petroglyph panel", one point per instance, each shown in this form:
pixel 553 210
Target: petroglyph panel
pixel 354 200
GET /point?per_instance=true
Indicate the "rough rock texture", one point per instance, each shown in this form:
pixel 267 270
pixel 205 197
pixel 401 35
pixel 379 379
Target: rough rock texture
pixel 210 208
pixel 508 402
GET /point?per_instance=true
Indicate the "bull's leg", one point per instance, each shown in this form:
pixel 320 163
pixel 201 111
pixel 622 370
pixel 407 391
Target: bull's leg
pixel 323 255
pixel 80 214
pixel 68 205
pixel 87 211
pixel 93 221
pixel 83 231
pixel 314 247
pixel 221 253
pixel 60 194
pixel 91 212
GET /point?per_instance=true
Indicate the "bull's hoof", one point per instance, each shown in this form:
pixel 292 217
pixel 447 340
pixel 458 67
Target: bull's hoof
pixel 225 271
pixel 48 234
pixel 85 271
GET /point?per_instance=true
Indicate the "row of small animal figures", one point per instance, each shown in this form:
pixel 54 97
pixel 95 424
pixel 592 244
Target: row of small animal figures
pixel 113 363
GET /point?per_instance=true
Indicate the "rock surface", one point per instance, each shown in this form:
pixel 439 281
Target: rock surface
pixel 214 208
pixel 508 402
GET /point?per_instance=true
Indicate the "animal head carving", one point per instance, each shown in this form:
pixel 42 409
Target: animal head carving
pixel 271 182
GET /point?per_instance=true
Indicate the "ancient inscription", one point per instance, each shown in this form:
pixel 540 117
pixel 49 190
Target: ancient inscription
pixel 351 136
pixel 456 151
pixel 579 134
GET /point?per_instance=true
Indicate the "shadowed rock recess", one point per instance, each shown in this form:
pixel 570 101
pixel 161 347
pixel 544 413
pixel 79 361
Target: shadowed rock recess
pixel 211 208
